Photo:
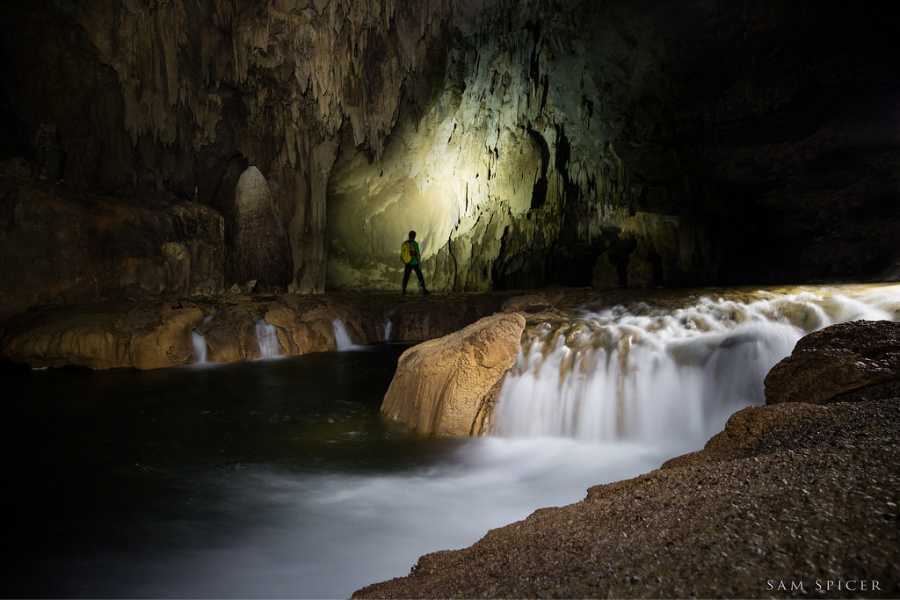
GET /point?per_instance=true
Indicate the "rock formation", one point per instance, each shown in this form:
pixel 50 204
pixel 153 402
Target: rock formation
pixel 860 358
pixel 65 247
pixel 447 386
pixel 529 143
pixel 787 492
pixel 155 334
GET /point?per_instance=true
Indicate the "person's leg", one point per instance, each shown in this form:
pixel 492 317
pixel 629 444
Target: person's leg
pixel 406 270
pixel 421 279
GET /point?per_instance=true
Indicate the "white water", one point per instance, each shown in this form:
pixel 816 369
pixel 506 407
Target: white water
pixel 387 330
pixel 267 338
pixel 199 343
pixel 342 338
pixel 326 535
pixel 666 376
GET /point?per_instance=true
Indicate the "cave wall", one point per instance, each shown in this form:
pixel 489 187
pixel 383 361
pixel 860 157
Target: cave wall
pixel 529 142
pixel 635 143
pixel 180 97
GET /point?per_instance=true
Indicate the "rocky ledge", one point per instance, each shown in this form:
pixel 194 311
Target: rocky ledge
pixel 802 492
pixel 156 334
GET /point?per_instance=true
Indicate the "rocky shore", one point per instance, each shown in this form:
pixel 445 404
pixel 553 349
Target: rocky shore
pixel 157 333
pixel 799 497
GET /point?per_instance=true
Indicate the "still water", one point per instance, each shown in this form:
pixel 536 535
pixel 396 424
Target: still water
pixel 264 479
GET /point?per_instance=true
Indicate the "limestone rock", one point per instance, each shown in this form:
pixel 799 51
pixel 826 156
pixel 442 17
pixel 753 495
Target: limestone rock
pixel 260 248
pixel 104 337
pixel 61 247
pixel 837 363
pixel 447 386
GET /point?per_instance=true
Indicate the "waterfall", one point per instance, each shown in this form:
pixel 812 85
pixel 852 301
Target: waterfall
pixel 268 340
pixel 387 330
pixel 342 338
pixel 649 374
pixel 199 343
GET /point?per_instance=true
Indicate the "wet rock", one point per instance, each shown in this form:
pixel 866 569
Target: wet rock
pixel 790 499
pixel 839 363
pixel 104 337
pixel 447 386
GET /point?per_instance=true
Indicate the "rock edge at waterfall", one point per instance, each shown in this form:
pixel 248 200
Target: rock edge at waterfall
pixel 448 386
pixel 792 491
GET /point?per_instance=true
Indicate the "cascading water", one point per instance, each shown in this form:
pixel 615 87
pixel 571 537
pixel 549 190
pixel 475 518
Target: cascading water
pixel 342 338
pixel 268 340
pixel 200 350
pixel 387 330
pixel 658 376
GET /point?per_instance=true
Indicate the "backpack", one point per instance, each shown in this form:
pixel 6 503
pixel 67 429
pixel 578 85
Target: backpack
pixel 406 252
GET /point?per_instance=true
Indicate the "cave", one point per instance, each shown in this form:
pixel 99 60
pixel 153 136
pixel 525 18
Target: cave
pixel 642 226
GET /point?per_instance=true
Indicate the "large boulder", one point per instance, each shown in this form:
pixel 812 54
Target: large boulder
pixel 448 386
pixel 855 360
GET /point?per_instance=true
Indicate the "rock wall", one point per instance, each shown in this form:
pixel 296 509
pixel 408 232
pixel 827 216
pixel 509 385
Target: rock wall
pixel 59 247
pixel 629 143
pixel 182 96
pixel 529 143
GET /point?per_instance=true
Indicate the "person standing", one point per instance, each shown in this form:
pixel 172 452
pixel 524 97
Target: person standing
pixel 411 255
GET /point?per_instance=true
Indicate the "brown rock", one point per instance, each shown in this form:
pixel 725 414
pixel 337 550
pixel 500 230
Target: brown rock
pixel 446 386
pixel 828 364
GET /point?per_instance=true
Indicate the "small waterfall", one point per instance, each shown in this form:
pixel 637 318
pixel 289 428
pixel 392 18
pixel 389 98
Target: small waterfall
pixel 200 350
pixel 342 338
pixel 651 375
pixel 267 339
pixel 387 330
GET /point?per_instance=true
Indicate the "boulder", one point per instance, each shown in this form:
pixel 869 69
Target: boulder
pixel 447 386
pixel 839 363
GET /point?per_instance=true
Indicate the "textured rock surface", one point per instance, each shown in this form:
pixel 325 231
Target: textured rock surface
pixel 526 141
pixel 149 335
pixel 260 248
pixel 849 358
pixel 705 146
pixel 104 337
pixel 447 386
pixel 788 492
pixel 58 246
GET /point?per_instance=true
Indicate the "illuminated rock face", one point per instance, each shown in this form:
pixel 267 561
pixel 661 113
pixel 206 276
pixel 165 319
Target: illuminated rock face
pixel 529 143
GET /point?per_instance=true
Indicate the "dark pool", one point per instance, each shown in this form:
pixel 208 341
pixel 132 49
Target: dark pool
pixel 266 479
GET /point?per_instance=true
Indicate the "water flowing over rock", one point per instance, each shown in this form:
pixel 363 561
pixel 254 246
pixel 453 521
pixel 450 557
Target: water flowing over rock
pixel 268 340
pixel 650 374
pixel 852 361
pixel 200 350
pixel 448 386
pixel 342 339
pixel 640 537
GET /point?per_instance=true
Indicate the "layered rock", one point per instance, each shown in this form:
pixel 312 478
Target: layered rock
pixel 149 335
pixel 60 247
pixel 860 359
pixel 448 386
pixel 526 141
pixel 104 337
